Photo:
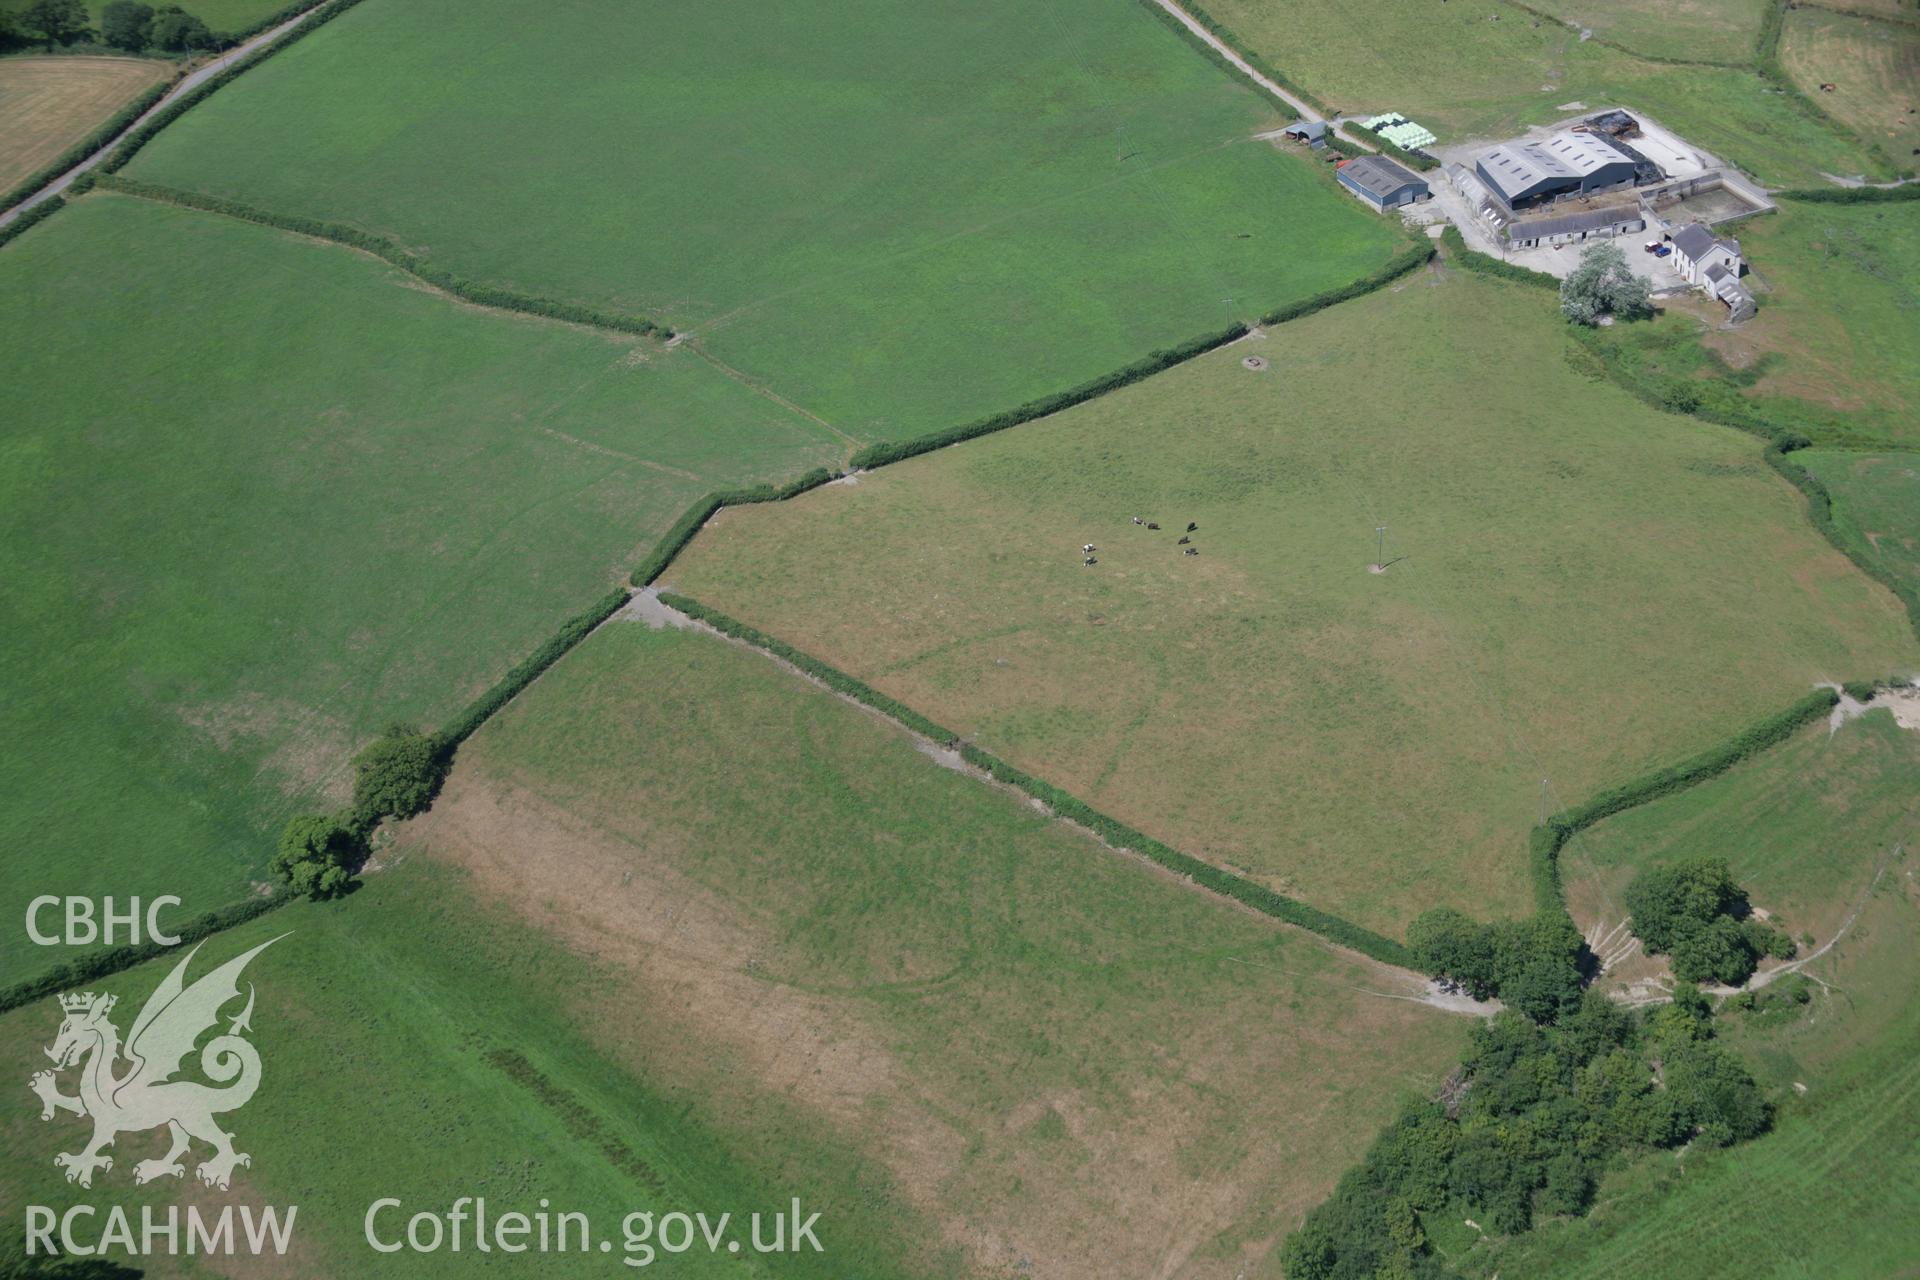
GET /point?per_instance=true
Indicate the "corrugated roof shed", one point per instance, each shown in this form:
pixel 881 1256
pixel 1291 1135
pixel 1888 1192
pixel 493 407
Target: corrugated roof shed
pixel 1379 176
pixel 1519 168
pixel 1572 223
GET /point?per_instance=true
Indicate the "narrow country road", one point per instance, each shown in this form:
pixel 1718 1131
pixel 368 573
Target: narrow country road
pixel 188 84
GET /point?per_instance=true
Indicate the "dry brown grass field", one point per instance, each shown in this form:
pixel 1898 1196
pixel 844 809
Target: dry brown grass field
pixel 1072 1063
pixel 1874 68
pixel 1583 589
pixel 48 104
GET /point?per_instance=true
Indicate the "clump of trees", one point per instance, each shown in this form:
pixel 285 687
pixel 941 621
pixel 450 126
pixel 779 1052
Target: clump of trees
pixel 396 776
pixel 135 27
pixel 125 25
pixel 1525 1128
pixel 56 22
pixel 1693 913
pixel 317 855
pixel 1603 285
pixel 1532 965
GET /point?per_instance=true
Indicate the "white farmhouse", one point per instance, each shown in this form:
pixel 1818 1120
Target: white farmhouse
pixel 1712 265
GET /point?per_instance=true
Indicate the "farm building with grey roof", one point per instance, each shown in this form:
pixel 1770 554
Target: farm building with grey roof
pixel 1519 174
pixel 1382 183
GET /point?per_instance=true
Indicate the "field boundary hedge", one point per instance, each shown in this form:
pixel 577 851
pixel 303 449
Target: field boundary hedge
pixel 675 540
pixel 100 964
pixel 1851 195
pixel 91 145
pixel 1063 804
pixel 32 218
pixel 1546 841
pixel 528 669
pixel 390 252
pixel 1488 265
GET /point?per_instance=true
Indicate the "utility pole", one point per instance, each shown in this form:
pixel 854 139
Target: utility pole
pixel 1380 546
pixel 1543 802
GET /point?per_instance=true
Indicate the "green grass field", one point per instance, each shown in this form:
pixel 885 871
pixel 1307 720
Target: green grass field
pixel 1839 279
pixel 1804 827
pixel 898 218
pixel 1055 1051
pixel 1834 1190
pixel 1582 589
pixel 378 1020
pixel 1876 503
pixel 1481 71
pixel 261 495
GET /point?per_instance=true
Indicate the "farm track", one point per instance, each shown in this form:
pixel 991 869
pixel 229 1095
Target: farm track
pixel 187 84
pixel 1240 64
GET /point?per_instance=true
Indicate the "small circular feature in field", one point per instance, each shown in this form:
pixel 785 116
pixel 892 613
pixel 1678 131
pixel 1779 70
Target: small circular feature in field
pixel 1256 363
pixel 1376 567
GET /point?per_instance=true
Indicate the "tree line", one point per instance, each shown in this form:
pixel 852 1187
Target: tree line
pixel 125 25
pixel 1525 1129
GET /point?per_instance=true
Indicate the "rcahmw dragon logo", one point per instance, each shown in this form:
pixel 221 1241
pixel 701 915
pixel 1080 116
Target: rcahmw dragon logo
pixel 145 1095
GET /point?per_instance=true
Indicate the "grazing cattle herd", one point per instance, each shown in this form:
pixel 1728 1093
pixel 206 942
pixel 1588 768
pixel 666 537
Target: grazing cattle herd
pixel 1087 549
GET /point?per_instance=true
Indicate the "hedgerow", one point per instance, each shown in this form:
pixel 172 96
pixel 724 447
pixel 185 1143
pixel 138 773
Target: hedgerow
pixel 1850 195
pixel 886 451
pixel 1547 840
pixel 1111 830
pixel 571 633
pixel 387 250
pixel 90 145
pixel 30 218
pixel 1400 264
pixel 1487 265
pixel 101 964
pixel 671 544
pixel 834 678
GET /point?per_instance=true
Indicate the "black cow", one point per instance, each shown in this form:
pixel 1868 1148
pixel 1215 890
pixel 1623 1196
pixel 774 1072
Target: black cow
pixel 1191 526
